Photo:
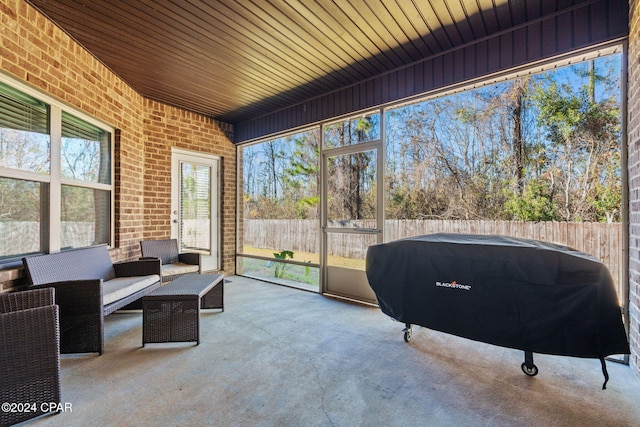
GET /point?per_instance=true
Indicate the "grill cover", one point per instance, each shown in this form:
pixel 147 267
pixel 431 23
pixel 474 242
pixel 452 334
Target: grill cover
pixel 522 294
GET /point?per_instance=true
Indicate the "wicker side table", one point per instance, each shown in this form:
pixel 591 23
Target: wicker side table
pixel 171 313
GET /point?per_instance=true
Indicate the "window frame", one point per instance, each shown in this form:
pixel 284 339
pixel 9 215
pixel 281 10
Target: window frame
pixel 51 220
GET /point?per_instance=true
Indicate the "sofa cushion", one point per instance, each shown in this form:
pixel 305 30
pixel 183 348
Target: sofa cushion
pixel 121 287
pixel 178 268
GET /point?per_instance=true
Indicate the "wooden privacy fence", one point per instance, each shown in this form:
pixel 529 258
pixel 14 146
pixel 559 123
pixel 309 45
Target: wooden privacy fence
pixel 603 241
pixel 13 241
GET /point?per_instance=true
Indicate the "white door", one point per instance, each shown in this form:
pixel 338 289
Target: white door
pixel 195 202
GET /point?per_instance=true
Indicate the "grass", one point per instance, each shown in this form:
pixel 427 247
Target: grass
pixel 334 261
pixel 294 275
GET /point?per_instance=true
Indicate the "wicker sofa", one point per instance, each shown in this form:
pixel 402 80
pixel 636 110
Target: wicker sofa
pixel 29 355
pixel 88 286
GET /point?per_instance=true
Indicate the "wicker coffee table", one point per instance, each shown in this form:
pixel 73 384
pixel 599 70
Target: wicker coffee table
pixel 171 313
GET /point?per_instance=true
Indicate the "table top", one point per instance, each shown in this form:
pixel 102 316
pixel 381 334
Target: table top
pixel 188 285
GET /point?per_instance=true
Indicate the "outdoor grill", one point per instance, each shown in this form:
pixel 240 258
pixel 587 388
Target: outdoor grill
pixel 523 294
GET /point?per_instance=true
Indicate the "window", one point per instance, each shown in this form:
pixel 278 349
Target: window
pixel 352 131
pixel 538 156
pixel 56 173
pixel 540 147
pixel 280 204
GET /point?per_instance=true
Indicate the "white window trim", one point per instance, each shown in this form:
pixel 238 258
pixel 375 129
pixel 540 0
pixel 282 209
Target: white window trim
pixel 54 178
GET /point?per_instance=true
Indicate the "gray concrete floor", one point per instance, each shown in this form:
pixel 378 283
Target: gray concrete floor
pixel 282 357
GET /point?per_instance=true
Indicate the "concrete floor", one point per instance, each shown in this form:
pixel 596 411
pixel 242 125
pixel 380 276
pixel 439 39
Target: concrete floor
pixel 283 357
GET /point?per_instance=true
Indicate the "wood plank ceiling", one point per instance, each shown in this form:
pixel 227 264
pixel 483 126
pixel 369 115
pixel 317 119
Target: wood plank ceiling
pixel 234 60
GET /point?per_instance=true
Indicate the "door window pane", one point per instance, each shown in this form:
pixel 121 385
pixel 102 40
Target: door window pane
pixel 86 151
pixel 85 216
pixel 352 131
pixel 351 189
pixel 349 250
pixel 195 207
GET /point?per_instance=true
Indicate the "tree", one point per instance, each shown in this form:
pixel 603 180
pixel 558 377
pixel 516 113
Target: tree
pixel 274 154
pixel 515 100
pixel 303 175
pixel 583 136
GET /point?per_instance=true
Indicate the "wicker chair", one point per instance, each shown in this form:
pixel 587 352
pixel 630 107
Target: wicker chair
pixel 174 264
pixel 29 354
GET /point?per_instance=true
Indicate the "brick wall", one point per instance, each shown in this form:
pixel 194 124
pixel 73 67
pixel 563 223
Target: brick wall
pixel 633 143
pixel 167 127
pixel 37 52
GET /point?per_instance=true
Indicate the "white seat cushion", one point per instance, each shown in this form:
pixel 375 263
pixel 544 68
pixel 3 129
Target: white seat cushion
pixel 121 287
pixel 178 268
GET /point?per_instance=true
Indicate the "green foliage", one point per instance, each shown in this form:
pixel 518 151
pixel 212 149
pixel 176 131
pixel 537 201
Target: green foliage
pixel 606 203
pixel 559 113
pixel 534 204
pixel 363 127
pixel 309 201
pixel 282 267
pixel 575 116
pixel 307 269
pixel 583 135
pixel 283 254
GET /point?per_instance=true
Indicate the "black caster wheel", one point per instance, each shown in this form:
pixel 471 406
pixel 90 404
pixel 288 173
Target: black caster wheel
pixel 532 372
pixel 407 334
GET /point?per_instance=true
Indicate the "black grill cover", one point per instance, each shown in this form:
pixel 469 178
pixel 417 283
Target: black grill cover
pixel 523 294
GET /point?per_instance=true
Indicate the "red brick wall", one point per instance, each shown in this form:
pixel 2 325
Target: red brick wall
pixel 167 127
pixel 633 143
pixel 37 52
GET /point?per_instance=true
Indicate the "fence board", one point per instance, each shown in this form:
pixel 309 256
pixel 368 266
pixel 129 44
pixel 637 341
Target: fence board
pixel 603 241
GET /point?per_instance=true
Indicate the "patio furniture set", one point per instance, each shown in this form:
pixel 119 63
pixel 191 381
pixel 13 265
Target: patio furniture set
pixel 63 311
